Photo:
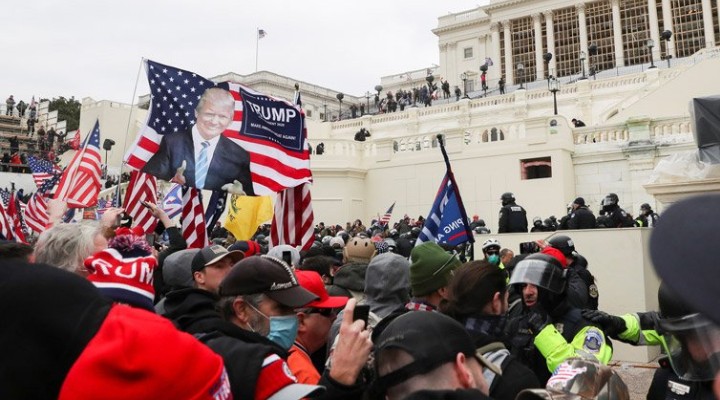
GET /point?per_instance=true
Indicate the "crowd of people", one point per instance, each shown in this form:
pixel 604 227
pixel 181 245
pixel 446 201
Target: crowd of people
pixel 366 312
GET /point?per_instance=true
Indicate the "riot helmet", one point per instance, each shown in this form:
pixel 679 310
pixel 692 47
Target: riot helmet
pixel 564 244
pixel 692 342
pixel 611 199
pixel 507 198
pixel 540 270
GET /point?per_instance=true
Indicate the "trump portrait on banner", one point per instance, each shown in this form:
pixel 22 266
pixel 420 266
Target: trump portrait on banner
pixel 211 159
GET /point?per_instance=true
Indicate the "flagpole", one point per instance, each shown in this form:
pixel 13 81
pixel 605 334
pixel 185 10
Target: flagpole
pixel 451 176
pixel 257 44
pixel 132 103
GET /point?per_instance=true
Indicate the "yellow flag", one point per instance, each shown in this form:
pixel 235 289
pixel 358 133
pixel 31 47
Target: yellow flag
pixel 246 213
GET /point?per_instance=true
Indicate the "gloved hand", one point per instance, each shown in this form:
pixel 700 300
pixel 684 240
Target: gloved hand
pixel 537 321
pixel 610 324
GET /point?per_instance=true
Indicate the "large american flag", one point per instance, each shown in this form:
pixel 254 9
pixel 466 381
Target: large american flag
pixel 36 213
pixel 142 187
pixel 80 183
pixel 274 165
pixel 293 219
pixel 5 224
pixel 42 170
pixel 193 219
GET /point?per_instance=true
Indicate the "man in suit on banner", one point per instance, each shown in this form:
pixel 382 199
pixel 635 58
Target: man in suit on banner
pixel 212 160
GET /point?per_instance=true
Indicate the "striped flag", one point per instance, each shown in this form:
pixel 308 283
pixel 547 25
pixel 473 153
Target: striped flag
pixel 42 170
pixel 80 183
pixel 279 156
pixel 36 214
pixel 293 220
pixel 5 230
pixel 193 219
pixel 386 217
pixel 142 187
pixel 261 33
pixel 13 220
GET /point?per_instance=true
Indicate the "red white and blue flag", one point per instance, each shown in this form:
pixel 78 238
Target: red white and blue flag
pixel 385 219
pixel 172 202
pixel 80 183
pixel 42 170
pixel 142 187
pixel 36 214
pixel 279 158
pixel 193 220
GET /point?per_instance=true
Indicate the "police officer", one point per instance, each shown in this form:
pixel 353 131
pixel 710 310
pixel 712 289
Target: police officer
pixel 582 289
pixel 512 216
pixel 618 218
pixel 647 218
pixel 580 217
pixel 685 372
pixel 550 330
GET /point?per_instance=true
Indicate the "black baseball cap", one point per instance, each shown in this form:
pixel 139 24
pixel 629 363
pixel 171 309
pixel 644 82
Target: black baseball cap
pixel 684 254
pixel 431 338
pixel 212 254
pixel 269 276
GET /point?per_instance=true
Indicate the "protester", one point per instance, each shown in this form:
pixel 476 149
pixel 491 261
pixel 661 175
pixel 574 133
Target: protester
pixel 431 269
pixel 211 264
pixel 478 299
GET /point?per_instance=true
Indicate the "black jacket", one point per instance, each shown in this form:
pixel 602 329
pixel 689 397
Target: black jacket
pixel 513 218
pixel 666 385
pixel 581 218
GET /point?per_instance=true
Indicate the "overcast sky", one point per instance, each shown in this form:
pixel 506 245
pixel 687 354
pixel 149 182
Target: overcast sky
pixel 93 48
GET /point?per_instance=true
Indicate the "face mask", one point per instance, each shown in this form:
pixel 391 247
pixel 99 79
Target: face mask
pixel 283 330
pixel 494 259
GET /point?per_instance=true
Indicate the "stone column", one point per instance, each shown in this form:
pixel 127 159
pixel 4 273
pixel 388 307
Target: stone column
pixel 654 29
pixel 708 24
pixel 550 32
pixel 539 62
pixel 668 26
pixel 617 34
pixel 582 24
pixel 509 67
pixel 496 72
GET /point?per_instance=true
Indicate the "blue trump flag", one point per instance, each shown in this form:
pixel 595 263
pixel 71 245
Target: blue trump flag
pixel 447 222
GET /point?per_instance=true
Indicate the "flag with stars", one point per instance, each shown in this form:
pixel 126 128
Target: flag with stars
pixel 42 170
pixel 80 183
pixel 36 212
pixel 272 131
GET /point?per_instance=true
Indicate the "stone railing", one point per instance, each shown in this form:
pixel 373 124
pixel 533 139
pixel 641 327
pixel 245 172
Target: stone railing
pixel 663 130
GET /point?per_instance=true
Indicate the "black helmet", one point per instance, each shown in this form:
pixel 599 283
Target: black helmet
pixel 564 244
pixel 645 206
pixel 481 222
pixel 507 197
pixel 611 199
pixel 540 270
pixel 690 338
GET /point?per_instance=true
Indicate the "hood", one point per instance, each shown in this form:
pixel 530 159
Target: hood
pixel 351 276
pixel 190 308
pixel 387 283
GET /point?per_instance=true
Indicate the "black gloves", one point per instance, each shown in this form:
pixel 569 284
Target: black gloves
pixel 537 321
pixel 610 324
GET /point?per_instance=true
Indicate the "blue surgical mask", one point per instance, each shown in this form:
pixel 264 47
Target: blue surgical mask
pixel 283 330
pixel 494 259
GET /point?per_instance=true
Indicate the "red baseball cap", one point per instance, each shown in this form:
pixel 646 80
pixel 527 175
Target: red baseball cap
pixel 311 281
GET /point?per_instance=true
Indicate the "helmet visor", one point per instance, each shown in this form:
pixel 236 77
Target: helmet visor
pixel 692 343
pixel 539 273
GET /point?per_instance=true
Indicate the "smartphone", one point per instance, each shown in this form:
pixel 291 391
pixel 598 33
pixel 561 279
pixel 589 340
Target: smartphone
pixel 361 312
pixel 150 239
pixel 287 257
pixel 145 204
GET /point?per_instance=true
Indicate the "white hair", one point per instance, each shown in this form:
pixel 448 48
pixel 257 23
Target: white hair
pixel 66 246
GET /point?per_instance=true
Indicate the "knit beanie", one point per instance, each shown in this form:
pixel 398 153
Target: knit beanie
pixel 431 268
pixel 359 250
pixel 124 271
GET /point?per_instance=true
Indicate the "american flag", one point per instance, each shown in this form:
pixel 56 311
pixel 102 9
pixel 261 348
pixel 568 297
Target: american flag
pixel 142 187
pixel 5 230
pixel 563 374
pixel 42 170
pixel 172 202
pixel 261 33
pixel 13 220
pixel 275 164
pixel 80 183
pixel 386 217
pixel 5 195
pixel 36 214
pixel 293 220
pixel 193 220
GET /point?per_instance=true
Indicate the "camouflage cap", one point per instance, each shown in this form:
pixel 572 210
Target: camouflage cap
pixel 578 378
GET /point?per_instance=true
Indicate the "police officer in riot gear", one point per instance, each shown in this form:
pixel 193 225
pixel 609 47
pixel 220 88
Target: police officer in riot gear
pixel 513 217
pixel 550 330
pixel 582 289
pixel 618 218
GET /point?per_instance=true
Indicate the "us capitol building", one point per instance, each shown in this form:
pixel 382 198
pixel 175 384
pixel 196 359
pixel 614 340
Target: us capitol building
pixel 627 68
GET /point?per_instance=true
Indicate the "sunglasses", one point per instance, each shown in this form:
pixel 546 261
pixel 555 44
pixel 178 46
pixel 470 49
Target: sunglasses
pixel 325 312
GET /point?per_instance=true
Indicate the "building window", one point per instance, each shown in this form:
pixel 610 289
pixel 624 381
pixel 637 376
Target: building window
pixel 492 135
pixel 468 52
pixel 308 113
pixel 523 45
pixel 536 168
pixel 567 41
pixel 600 33
pixel 688 28
pixel 635 31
